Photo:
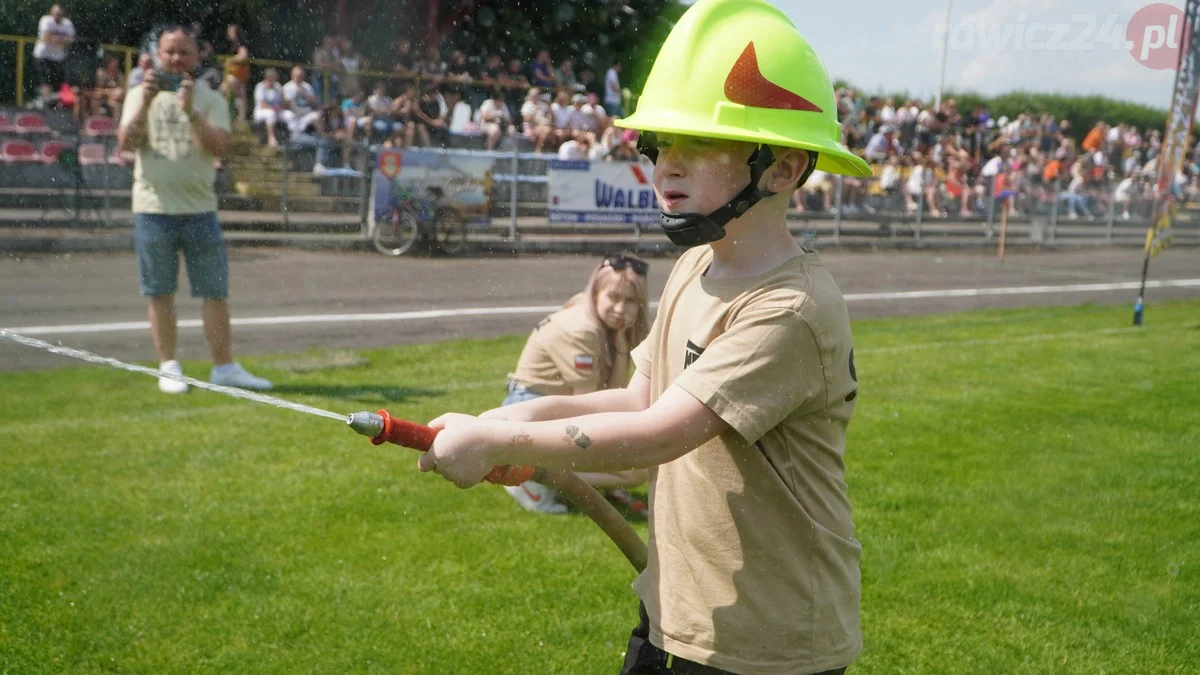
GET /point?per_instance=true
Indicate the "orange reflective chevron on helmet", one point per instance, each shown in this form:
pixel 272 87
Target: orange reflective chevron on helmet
pixel 748 86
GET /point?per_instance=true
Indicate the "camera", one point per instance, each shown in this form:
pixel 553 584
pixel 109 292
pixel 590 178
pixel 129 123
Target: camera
pixel 169 81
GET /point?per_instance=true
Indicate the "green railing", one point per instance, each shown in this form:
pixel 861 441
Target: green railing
pixel 18 50
pixel 16 56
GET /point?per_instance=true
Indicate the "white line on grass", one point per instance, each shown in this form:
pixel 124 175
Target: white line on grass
pixel 160 416
pixel 544 309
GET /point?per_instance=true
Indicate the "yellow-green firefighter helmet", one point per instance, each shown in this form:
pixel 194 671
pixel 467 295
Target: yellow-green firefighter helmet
pixel 739 69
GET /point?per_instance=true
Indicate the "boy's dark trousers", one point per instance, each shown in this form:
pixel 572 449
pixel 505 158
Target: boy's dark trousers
pixel 643 658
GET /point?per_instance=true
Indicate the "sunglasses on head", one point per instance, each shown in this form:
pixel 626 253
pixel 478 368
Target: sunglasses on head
pixel 620 262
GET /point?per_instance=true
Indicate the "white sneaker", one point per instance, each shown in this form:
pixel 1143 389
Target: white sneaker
pixel 536 497
pixel 167 385
pixel 234 375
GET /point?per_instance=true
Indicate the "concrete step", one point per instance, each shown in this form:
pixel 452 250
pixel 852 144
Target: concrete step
pixel 258 175
pixel 297 205
pixel 253 177
pixel 252 162
pixel 251 149
pixel 301 187
pixel 256 171
pixel 310 204
pixel 265 178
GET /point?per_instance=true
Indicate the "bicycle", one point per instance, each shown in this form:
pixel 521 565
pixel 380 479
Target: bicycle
pixel 420 219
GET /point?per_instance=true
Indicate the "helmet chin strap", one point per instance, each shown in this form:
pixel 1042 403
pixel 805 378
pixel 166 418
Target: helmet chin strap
pixel 695 229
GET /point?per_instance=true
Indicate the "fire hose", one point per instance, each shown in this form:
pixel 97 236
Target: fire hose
pixel 381 427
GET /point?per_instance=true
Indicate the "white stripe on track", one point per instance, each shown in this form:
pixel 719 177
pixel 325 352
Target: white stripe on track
pixel 1021 290
pixel 545 309
pixel 292 320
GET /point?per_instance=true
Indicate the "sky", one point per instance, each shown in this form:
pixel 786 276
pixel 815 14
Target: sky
pixel 996 45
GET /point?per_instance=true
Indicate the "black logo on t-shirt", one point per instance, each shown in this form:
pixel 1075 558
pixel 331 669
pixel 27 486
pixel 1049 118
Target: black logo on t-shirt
pixel 693 353
pixel 854 376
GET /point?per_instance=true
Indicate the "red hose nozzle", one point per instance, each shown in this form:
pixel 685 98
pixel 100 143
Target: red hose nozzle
pixel 383 428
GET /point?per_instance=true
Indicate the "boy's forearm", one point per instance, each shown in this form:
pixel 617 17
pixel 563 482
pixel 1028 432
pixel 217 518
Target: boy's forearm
pixel 607 480
pixel 602 442
pixel 558 407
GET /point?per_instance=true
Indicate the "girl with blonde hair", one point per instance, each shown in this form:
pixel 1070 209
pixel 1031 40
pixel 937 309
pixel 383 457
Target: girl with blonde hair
pixel 582 348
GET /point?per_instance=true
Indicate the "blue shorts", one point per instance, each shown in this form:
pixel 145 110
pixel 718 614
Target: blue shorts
pixel 158 238
pixel 517 393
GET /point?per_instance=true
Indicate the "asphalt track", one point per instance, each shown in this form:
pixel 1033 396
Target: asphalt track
pixel 286 300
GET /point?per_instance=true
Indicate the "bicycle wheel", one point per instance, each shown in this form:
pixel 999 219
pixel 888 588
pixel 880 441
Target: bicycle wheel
pixel 397 235
pixel 450 231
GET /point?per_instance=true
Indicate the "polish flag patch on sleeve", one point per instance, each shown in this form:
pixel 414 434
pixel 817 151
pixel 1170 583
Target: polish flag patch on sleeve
pixel 583 362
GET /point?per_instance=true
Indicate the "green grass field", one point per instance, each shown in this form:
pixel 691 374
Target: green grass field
pixel 1026 486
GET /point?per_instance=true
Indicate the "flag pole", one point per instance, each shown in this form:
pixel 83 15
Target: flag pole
pixel 1180 118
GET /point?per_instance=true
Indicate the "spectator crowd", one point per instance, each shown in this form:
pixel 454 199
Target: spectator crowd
pixel 934 157
pixel 427 101
pixel 948 161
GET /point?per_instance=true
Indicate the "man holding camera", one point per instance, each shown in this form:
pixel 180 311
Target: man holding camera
pixel 176 128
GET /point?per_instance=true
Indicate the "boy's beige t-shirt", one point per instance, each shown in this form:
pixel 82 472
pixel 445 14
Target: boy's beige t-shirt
pixel 564 355
pixel 173 175
pixel 753 564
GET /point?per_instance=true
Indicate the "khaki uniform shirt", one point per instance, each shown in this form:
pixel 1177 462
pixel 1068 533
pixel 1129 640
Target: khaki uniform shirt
pixel 565 355
pixel 753 564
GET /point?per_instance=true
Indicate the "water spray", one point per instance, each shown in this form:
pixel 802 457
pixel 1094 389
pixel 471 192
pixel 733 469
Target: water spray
pixel 382 428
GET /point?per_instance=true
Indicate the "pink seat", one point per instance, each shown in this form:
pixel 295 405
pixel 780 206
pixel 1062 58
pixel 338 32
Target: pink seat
pixel 30 123
pixel 18 151
pixel 50 150
pixel 5 125
pixel 98 126
pixel 92 153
